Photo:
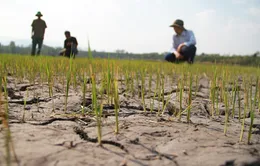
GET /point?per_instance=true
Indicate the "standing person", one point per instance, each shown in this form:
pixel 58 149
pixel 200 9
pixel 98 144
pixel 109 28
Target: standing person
pixel 38 31
pixel 183 46
pixel 70 46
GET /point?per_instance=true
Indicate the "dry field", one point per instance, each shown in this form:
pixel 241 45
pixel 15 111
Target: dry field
pixel 61 112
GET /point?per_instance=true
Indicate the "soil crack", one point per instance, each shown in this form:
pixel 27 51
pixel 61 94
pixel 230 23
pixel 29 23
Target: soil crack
pixel 83 135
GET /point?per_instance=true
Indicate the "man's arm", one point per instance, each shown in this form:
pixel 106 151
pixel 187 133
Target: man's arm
pixel 174 45
pixel 174 49
pixel 45 26
pixel 64 44
pixel 43 33
pixel 76 42
pixel 32 29
pixel 76 46
pixel 192 40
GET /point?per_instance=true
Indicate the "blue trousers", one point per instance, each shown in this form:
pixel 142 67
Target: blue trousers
pixel 188 52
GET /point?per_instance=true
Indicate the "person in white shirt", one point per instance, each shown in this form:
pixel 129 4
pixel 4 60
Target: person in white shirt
pixel 184 44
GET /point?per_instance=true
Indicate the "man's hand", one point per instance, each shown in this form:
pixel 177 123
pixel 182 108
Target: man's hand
pixel 178 55
pixel 179 47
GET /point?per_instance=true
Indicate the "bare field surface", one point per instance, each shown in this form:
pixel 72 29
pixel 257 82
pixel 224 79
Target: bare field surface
pixel 47 135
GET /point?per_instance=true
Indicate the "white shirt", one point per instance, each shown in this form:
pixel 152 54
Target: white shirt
pixel 187 37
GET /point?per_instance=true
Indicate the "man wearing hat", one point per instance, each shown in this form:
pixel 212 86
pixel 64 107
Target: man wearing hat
pixel 38 30
pixel 183 46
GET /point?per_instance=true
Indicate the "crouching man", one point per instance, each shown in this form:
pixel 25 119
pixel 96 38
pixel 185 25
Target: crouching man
pixel 70 46
pixel 183 47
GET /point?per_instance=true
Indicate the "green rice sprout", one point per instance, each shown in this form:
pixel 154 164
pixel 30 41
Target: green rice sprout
pixel 143 89
pixel 127 79
pixel 150 89
pixel 251 94
pixel 239 105
pixel 217 100
pixel 74 73
pixel 84 87
pixel 245 111
pixel 68 78
pixel 197 84
pixel 162 89
pixel 226 111
pixel 222 86
pixel 252 117
pixel 108 82
pixel 165 105
pixel 152 105
pixel 132 85
pixel 49 79
pixel 96 109
pixel 180 95
pixel 190 98
pixel 256 91
pixel 50 85
pixel 252 112
pixel 213 92
pixel 116 101
pixel 234 92
pixel 184 111
pixel 112 79
pixel 212 97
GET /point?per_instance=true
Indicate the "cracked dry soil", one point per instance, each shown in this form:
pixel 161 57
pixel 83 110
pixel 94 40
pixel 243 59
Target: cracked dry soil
pixel 48 137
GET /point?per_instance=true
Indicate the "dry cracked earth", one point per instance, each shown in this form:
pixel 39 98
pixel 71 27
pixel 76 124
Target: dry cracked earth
pixel 52 137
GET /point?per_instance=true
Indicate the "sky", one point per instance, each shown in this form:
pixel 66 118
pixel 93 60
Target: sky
pixel 137 26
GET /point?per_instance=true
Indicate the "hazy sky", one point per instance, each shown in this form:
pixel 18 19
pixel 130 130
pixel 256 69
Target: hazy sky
pixel 220 26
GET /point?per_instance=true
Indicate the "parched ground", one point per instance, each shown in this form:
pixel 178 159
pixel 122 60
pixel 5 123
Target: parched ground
pixel 52 138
